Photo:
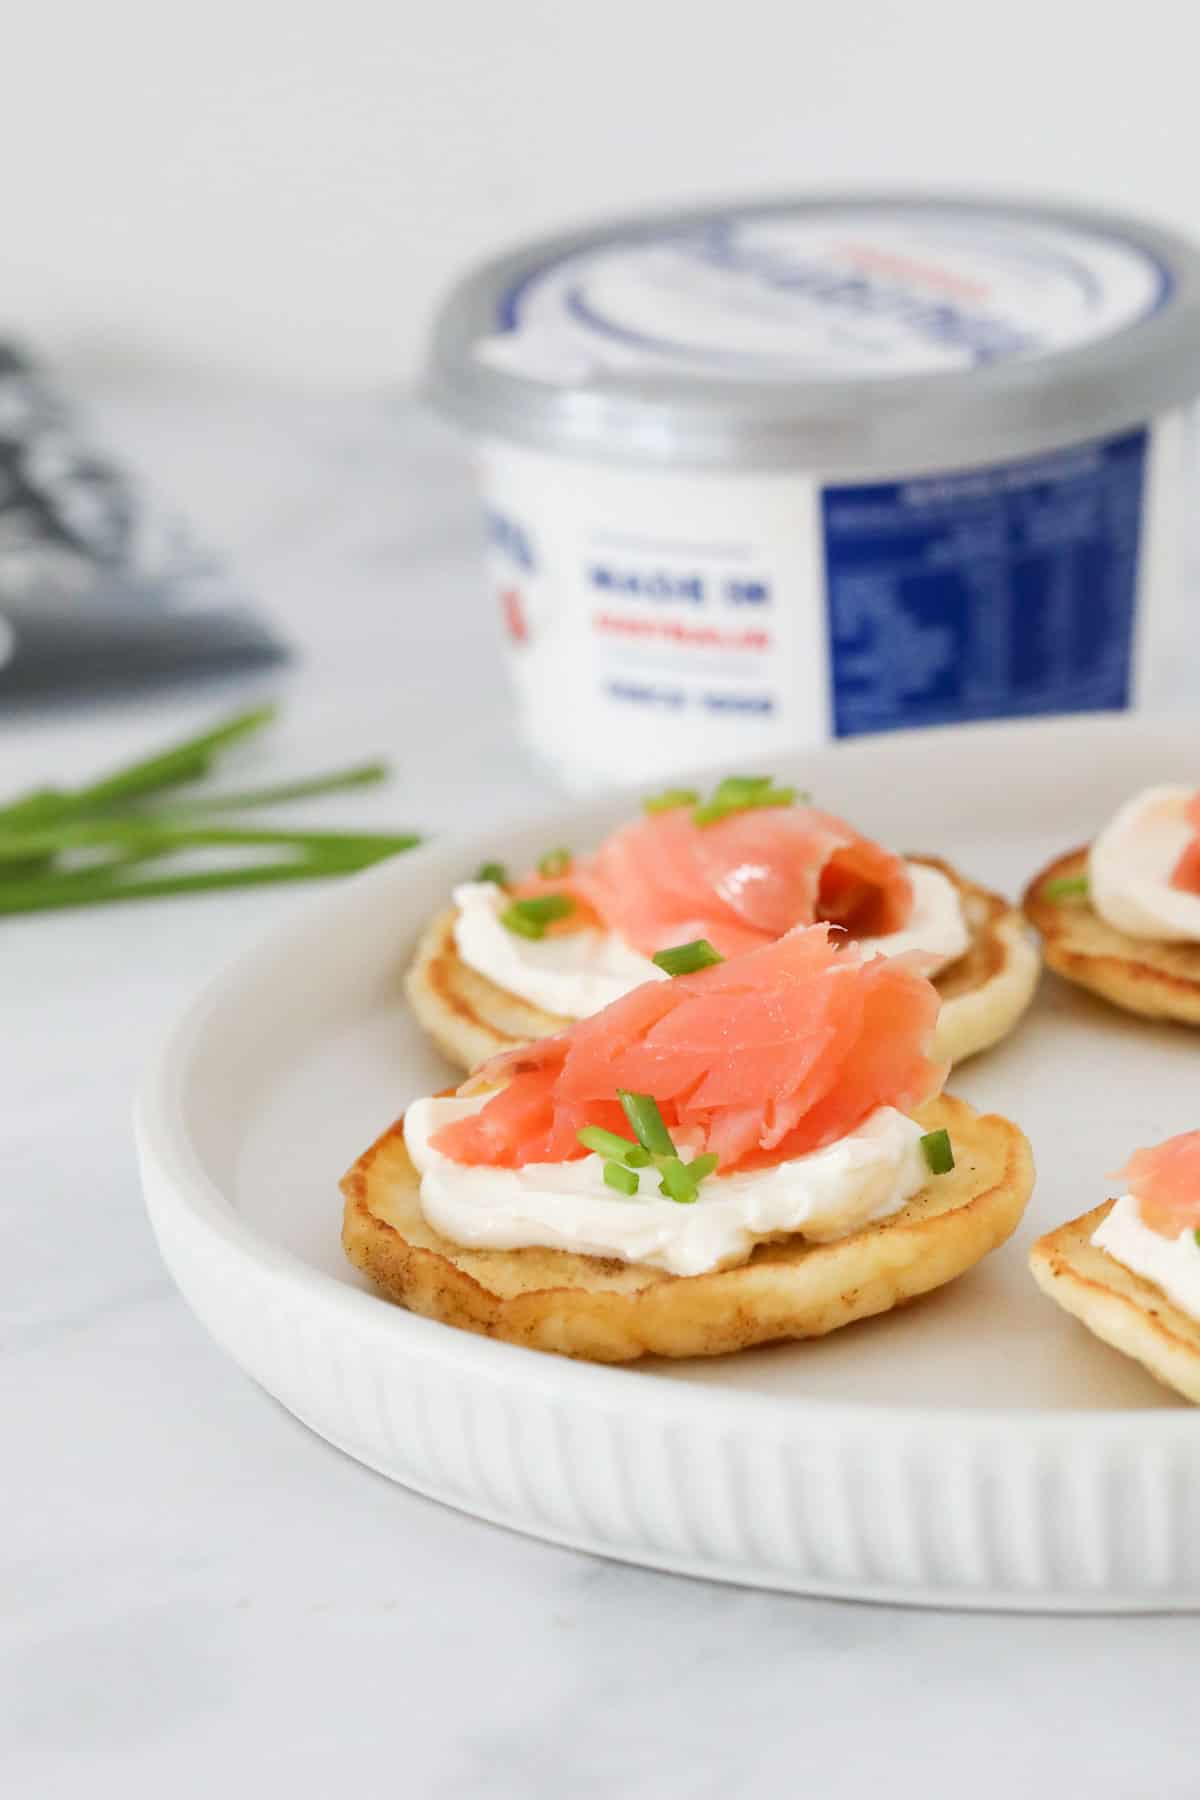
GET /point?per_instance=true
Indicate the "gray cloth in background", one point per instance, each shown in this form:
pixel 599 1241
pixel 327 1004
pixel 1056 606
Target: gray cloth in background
pixel 98 586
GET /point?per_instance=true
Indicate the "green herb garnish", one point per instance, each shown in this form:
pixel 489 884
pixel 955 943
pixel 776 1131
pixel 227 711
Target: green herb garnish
pixel 677 1181
pixel 1066 887
pixel 626 1181
pixel 649 1128
pixel 90 846
pixel 938 1152
pixel 685 959
pixel 554 863
pixel 309 787
pixel 670 799
pixel 107 884
pixel 492 871
pixel 181 763
pixel 607 1143
pixel 742 793
pixel 529 918
pixel 157 834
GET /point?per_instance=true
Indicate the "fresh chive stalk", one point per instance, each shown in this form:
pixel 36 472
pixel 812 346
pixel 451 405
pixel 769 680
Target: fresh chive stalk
pixel 1066 887
pixel 938 1152
pixel 283 793
pixel 164 835
pixel 170 768
pixel 183 762
pixel 685 959
pixel 625 1181
pixel 529 918
pixel 554 863
pixel 670 799
pixel 107 886
pixel 648 1125
pixel 637 1158
pixel 492 871
pixel 63 847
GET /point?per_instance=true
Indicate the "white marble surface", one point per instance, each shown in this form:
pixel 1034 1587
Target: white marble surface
pixel 198 1596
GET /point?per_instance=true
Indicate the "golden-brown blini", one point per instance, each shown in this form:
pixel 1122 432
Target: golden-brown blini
pixel 1140 975
pixel 611 1311
pixel 983 994
pixel 1124 1309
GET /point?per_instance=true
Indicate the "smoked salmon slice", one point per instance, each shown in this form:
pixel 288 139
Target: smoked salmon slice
pixel 1186 873
pixel 1165 1182
pixel 740 882
pixel 776 1052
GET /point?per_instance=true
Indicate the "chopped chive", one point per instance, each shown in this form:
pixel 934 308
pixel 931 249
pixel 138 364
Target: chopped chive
pixel 677 1182
pixel 938 1152
pixel 492 871
pixel 1066 887
pixel 626 1181
pixel 519 925
pixel 767 796
pixel 685 959
pixel 1196 1235
pixel 649 1128
pixel 529 918
pixel 637 1158
pixel 670 799
pixel 741 787
pixel 546 907
pixel 741 793
pixel 605 1143
pixel 555 862
pixel 680 1181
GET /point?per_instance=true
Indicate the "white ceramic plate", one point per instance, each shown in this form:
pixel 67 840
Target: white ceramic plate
pixel 977 1448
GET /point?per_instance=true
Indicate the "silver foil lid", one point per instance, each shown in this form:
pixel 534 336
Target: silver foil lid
pixel 844 332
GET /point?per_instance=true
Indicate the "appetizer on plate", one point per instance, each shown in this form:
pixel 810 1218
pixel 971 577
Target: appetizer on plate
pixel 1130 1269
pixel 749 1149
pixel 513 961
pixel 1122 916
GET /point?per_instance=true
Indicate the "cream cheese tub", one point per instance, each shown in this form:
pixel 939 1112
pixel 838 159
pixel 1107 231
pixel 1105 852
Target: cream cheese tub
pixel 769 474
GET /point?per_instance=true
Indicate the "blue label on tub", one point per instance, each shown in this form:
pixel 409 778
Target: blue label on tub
pixel 985 594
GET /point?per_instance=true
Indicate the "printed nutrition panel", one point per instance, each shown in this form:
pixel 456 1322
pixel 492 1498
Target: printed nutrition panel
pixel 988 593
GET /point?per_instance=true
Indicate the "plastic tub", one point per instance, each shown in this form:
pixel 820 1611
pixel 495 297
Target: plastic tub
pixel 776 472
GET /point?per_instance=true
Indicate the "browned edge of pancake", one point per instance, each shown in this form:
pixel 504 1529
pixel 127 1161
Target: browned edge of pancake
pixel 1140 975
pixel 1117 1306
